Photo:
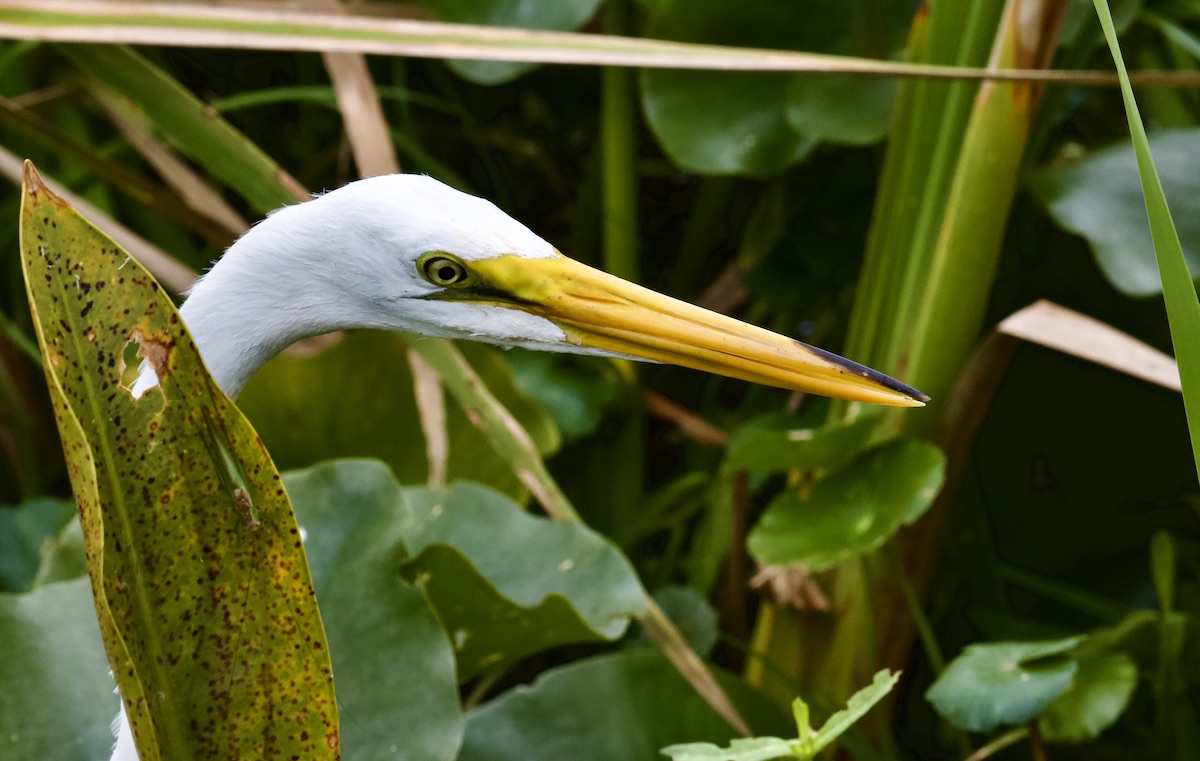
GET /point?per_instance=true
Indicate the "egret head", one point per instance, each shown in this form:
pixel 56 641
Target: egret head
pixel 405 252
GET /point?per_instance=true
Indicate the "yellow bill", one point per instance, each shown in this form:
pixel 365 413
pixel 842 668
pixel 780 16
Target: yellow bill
pixel 600 311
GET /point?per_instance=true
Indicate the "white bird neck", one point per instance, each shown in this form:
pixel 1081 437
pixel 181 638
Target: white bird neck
pixel 253 304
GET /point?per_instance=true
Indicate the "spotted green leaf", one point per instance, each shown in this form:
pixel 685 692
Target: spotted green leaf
pixel 200 582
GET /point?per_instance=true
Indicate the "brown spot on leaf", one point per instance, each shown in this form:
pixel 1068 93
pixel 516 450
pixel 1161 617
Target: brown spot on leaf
pixel 156 350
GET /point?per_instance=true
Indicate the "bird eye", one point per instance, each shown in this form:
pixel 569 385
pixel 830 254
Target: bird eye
pixel 442 270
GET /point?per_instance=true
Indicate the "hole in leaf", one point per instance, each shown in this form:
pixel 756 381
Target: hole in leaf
pixel 138 376
pixel 130 364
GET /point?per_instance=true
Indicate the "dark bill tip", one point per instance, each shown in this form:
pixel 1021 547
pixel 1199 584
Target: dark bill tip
pixel 863 371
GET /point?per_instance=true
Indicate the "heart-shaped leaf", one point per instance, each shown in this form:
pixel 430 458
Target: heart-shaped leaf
pixel 505 584
pixel 508 584
pixel 1000 683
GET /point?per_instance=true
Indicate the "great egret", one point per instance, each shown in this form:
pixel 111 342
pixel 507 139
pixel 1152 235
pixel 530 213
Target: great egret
pixel 405 252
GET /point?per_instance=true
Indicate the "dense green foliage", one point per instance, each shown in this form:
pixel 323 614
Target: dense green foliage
pixel 897 222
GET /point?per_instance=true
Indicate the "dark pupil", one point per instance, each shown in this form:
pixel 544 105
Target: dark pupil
pixel 446 273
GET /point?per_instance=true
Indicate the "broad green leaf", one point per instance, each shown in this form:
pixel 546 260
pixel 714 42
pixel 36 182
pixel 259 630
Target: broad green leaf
pixel 558 15
pixel 1095 699
pixel 394 663
pixel 761 123
pixel 727 122
pixel 852 511
pixel 625 705
pixel 56 697
pixel 842 109
pixel 505 584
pixel 310 409
pixel 848 109
pixel 201 586
pixel 765 748
pixel 25 531
pixel 1000 683
pixel 395 669
pixel 1100 198
pixel 188 124
pixel 774 449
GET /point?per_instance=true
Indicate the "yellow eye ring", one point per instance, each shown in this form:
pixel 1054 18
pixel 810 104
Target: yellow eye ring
pixel 442 270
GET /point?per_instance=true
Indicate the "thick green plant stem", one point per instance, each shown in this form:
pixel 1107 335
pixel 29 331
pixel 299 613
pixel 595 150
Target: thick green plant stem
pixel 923 148
pixel 618 144
pixel 619 222
pixel 709 210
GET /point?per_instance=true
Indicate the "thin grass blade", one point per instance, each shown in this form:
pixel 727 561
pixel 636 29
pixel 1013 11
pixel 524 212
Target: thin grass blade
pixel 1179 292
pixel 195 25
